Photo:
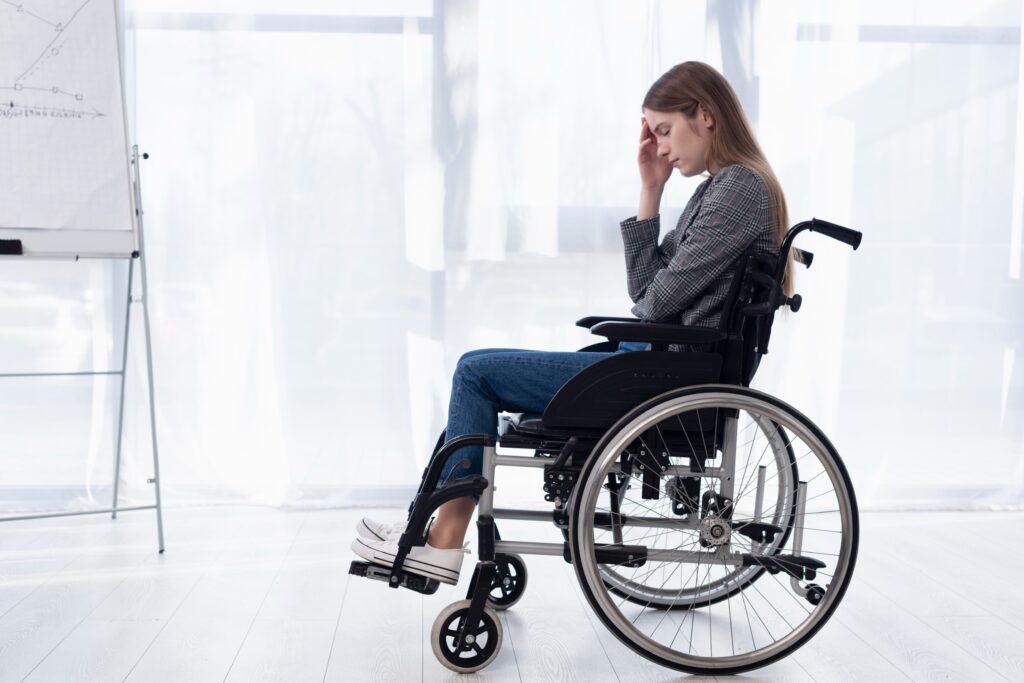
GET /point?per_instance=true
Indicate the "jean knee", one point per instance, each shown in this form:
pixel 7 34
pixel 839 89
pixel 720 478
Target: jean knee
pixel 467 365
pixel 470 355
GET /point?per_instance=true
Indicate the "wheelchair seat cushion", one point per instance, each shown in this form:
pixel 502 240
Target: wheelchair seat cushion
pixel 531 425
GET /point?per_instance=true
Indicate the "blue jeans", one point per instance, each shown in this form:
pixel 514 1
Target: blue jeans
pixel 489 381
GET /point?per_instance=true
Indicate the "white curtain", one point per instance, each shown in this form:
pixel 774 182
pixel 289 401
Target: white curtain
pixel 342 197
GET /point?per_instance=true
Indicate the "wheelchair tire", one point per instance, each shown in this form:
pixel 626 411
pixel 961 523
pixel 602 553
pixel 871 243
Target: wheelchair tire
pixel 473 655
pixel 779 613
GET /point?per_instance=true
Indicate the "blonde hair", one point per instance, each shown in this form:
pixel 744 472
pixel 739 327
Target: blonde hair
pixel 688 86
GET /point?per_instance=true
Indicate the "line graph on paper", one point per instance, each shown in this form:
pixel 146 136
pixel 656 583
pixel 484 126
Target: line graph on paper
pixel 38 42
pixel 63 144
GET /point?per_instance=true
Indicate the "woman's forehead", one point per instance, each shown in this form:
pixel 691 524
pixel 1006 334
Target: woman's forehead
pixel 656 118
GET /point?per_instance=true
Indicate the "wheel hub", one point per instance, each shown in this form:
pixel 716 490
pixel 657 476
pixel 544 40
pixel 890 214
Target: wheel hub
pixel 714 531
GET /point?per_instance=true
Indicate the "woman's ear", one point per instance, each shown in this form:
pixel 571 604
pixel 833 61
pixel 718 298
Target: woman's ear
pixel 705 117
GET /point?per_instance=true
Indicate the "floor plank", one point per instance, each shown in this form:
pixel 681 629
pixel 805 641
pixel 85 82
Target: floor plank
pixel 202 637
pixel 379 634
pixel 64 599
pixel 906 641
pixel 838 653
pixel 280 649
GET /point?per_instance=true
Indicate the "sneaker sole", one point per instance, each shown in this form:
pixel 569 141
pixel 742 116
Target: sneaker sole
pixel 432 571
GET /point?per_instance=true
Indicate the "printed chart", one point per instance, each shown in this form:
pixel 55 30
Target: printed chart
pixel 63 150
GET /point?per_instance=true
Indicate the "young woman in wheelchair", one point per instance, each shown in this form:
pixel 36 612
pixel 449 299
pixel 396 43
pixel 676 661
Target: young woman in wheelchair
pixel 692 122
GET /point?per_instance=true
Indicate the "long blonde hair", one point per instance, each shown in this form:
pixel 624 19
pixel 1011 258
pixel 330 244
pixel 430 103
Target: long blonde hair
pixel 690 85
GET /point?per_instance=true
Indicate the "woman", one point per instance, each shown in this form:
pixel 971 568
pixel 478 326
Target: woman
pixel 692 121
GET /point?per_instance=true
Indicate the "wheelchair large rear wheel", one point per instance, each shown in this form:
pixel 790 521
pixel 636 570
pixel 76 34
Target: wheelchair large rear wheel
pixel 806 535
pixel 780 489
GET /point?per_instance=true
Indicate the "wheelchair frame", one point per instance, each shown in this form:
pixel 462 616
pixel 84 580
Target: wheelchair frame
pixel 755 295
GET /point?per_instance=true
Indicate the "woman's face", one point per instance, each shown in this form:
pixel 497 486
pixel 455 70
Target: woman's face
pixel 681 141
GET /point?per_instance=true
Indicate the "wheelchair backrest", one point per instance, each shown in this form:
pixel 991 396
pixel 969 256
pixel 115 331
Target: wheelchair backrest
pixel 747 334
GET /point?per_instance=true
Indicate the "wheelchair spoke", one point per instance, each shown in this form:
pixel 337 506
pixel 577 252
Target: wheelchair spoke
pixel 746 482
pixel 701 427
pixel 689 613
pixel 714 437
pixel 693 616
pixel 797 461
pixel 638 504
pixel 640 612
pixel 750 624
pixel 746 601
pixel 687 435
pixel 749 480
pixel 743 478
pixel 772 604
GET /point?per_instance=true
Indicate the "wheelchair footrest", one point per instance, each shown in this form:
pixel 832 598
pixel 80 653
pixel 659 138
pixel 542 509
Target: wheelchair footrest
pixel 414 582
pixel 797 566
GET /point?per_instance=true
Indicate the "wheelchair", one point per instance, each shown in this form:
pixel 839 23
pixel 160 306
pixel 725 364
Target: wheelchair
pixel 713 528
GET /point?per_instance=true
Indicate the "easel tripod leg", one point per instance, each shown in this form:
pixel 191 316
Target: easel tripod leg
pixel 124 372
pixel 149 345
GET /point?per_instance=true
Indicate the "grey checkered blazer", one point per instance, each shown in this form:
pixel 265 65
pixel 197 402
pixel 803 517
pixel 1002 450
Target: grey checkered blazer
pixel 686 278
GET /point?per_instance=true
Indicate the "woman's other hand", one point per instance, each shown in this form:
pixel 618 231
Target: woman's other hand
pixel 654 170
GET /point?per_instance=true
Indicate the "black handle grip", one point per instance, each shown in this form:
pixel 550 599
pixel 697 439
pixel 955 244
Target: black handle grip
pixel 836 232
pixel 11 248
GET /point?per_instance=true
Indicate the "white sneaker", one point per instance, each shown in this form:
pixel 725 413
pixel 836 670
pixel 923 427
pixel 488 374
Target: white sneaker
pixel 425 560
pixel 379 531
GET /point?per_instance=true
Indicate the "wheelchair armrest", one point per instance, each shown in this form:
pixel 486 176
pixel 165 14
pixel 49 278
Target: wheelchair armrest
pixel 592 320
pixel 657 333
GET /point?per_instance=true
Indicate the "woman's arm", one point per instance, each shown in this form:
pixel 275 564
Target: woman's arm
pixel 650 202
pixel 731 216
pixel 640 234
pixel 644 257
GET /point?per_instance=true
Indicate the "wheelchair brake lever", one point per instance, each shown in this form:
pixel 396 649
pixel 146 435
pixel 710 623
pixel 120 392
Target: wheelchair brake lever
pixel 776 297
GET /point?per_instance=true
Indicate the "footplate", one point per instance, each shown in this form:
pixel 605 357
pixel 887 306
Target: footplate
pixel 413 582
pixel 798 566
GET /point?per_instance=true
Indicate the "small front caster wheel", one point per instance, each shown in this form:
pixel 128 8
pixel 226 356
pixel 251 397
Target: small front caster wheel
pixel 815 593
pixel 480 645
pixel 509 581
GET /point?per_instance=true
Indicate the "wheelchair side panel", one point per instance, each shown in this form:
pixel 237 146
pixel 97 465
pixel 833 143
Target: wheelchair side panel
pixel 601 393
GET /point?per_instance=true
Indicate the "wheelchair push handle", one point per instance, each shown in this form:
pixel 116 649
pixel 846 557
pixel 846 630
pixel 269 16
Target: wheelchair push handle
pixel 836 232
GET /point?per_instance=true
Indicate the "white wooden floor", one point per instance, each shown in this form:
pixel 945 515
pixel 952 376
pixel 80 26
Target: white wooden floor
pixel 252 594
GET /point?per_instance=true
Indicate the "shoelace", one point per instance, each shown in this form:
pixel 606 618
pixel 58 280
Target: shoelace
pixel 394 528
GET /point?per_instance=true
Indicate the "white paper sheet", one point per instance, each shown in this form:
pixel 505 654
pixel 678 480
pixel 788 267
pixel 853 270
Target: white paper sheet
pixel 63 152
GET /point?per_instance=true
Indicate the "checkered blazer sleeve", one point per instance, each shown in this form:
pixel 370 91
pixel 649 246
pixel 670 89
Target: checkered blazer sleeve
pixel 666 280
pixel 644 256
